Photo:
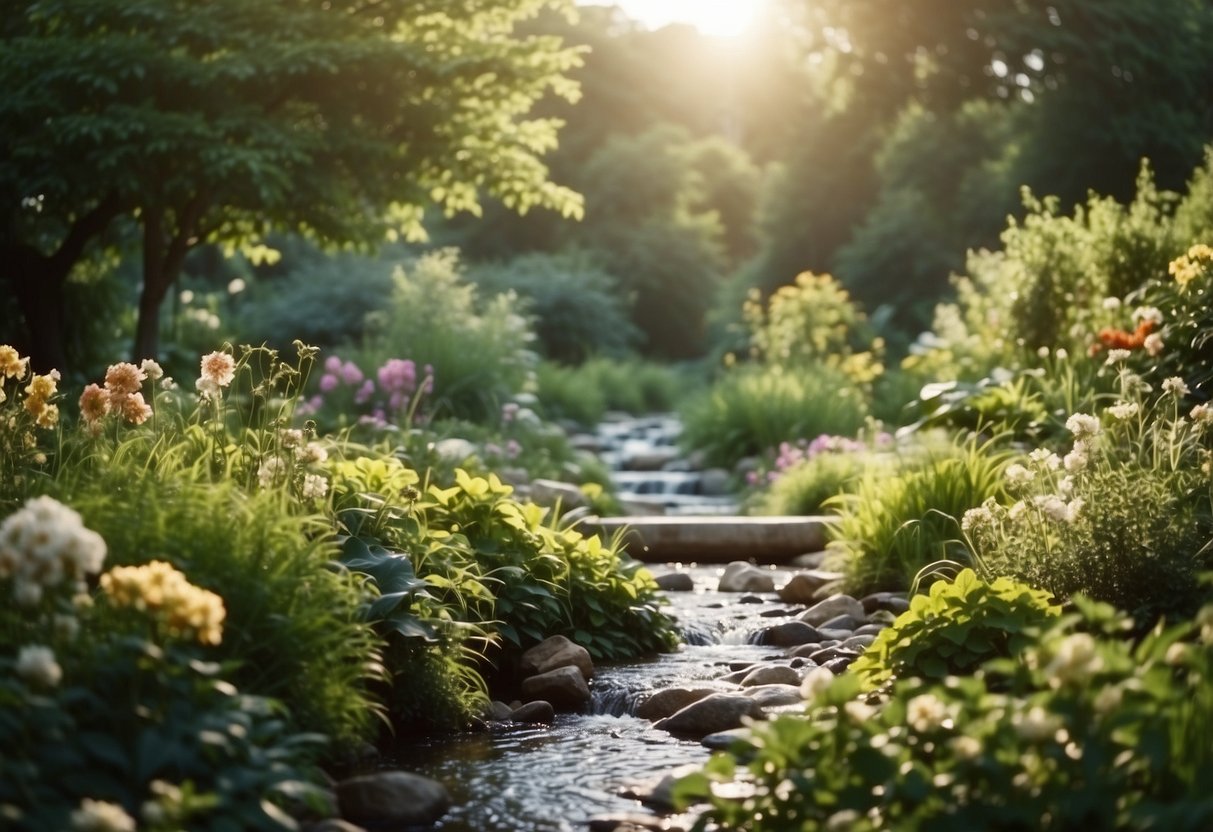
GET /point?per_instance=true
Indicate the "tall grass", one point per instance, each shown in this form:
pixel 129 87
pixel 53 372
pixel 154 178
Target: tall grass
pixel 584 393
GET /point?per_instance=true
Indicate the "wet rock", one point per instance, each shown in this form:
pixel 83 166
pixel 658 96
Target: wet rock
pixel 553 492
pixel 735 677
pixel 718 712
pixel 564 687
pixel 778 612
pixel 776 695
pixel 839 664
pixel 539 712
pixel 828 654
pixel 842 622
pixel 751 599
pixel 633 823
pixel 790 634
pixel 802 588
pixel 809 560
pixel 805 652
pixel 392 798
pixel 724 739
pixel 498 711
pixel 894 602
pixel 882 617
pixel 663 703
pixel 772 674
pixel 870 629
pixel 831 608
pixel 835 635
pixel 555 652
pixel 675 582
pixel 858 642
pixel 658 794
pixel 715 482
pixel 740 576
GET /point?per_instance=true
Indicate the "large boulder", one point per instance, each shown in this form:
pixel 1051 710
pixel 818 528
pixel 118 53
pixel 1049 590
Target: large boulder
pixel 776 696
pixel 802 588
pixel 831 608
pixel 392 798
pixel 790 634
pixel 663 703
pixel 564 687
pixel 718 712
pixel 740 576
pixel 675 582
pixel 555 652
pixel 771 674
pixel 539 712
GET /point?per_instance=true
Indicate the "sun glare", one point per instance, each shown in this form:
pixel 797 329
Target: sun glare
pixel 718 18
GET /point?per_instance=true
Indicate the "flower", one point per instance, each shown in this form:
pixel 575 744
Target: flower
pixel 1074 509
pixel 157 588
pixel 1051 506
pixel 1153 344
pixel 966 747
pixel 291 438
pixel 1188 267
pixel 36 664
pixel 1019 475
pixel 816 682
pixel 351 374
pixel 980 518
pixel 1076 460
pixel 99 816
pixel 313 453
pixel 219 368
pixel 269 471
pixel 1176 386
pixel 12 365
pixel 45 544
pixel 124 378
pixel 925 713
pixel 1111 304
pixel 1074 662
pixel 94 404
pixel 1115 356
pixel 1201 415
pixel 328 383
pixel 1083 426
pixel 1037 725
pixel 135 410
pixel 1147 314
pixel 151 369
pixel 1124 410
pixel 1046 459
pixel 314 487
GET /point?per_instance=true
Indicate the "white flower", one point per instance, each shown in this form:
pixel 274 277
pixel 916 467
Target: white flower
pixel 1061 353
pixel 1111 304
pixel 1074 509
pixel 1051 506
pixel 151 369
pixel 858 712
pixel 313 453
pixel 1046 459
pixel 1016 511
pixel 1042 352
pixel 99 816
pixel 1108 699
pixel 1065 486
pixel 816 683
pixel 1075 661
pixel 925 713
pixel 1117 356
pixel 1177 653
pixel 269 471
pixel 978 519
pixel 1175 385
pixel 36 664
pixel 1124 410
pixel 1037 725
pixel 1083 426
pixel 291 438
pixel 207 388
pixel 966 747
pixel 1153 344
pixel 1147 313
pixel 314 487
pixel 1019 475
pixel 1076 460
pixel 1201 415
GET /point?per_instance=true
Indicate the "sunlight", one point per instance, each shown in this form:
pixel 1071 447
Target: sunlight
pixel 717 18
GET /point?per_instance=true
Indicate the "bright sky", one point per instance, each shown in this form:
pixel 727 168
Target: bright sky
pixel 711 17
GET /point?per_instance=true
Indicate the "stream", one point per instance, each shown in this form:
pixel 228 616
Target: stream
pixel 557 778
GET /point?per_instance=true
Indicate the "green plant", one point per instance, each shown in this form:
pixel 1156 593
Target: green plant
pixel 954 628
pixel 1085 730
pixel 806 486
pixel 584 393
pixel 752 409
pixel 892 525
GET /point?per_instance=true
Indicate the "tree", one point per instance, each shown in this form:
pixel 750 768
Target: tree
pixel 217 122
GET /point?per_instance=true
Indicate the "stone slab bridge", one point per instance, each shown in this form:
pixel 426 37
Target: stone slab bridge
pixel 713 538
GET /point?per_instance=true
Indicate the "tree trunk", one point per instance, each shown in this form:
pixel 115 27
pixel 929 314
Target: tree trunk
pixel 164 253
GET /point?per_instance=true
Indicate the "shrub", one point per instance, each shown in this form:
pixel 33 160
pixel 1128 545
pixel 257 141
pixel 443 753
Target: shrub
pixel 893 525
pixel 954 628
pixel 752 409
pixel 1085 732
pixel 807 474
pixel 584 393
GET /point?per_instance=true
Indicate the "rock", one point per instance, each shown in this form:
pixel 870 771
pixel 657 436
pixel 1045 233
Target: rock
pixel 555 652
pixel 858 642
pixel 654 459
pixel 659 794
pixel 771 674
pixel 632 823
pixel 454 449
pixel 809 560
pixel 751 599
pixel 832 607
pixel 777 695
pixel 715 482
pixel 722 740
pixel 802 588
pixel 842 622
pixel 839 664
pixel 777 612
pixel 539 712
pixel 392 798
pixel 835 635
pixel 564 687
pixel 740 576
pixel 332 825
pixel 894 602
pixel 663 703
pixel 870 629
pixel 805 652
pixel 585 442
pixel 735 677
pixel 498 711
pixel 882 617
pixel 789 634
pixel 675 582
pixel 553 492
pixel 828 654
pixel 718 712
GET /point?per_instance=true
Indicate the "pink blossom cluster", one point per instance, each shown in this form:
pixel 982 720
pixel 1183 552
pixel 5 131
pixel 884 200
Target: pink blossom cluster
pixel 792 454
pixel 397 385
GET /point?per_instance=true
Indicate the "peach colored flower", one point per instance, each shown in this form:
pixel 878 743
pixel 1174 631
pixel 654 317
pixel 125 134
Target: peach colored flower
pixel 12 365
pixel 94 404
pixel 153 370
pixel 43 387
pixel 218 368
pixel 124 378
pixel 135 410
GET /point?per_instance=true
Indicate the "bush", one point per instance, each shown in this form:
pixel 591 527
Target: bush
pixel 954 628
pixel 584 393
pixel 807 474
pixel 752 409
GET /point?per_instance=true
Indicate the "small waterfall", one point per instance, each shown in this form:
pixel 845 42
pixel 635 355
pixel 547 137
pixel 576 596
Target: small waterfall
pixel 612 697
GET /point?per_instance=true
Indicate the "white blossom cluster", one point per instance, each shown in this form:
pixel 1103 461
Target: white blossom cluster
pixel 44 544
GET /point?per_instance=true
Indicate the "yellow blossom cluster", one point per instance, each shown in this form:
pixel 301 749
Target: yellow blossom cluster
pixel 1191 265
pixel 184 610
pixel 38 393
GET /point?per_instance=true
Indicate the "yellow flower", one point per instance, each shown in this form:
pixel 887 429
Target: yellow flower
pixel 184 610
pixel 12 365
pixel 43 387
pixel 1189 266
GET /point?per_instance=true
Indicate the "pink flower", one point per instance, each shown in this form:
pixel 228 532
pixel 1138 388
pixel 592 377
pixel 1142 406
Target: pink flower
pixel 328 383
pixel 135 410
pixel 365 392
pixel 94 404
pixel 332 364
pixel 218 368
pixel 351 374
pixel 124 378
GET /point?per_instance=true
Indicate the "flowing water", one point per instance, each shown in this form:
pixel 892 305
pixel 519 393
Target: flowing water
pixel 555 779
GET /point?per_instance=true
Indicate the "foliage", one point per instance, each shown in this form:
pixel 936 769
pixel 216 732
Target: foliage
pixel 807 474
pixel 954 628
pixel 1124 517
pixel 586 392
pixel 892 525
pixel 1084 731
pixel 751 409
pixel 480 349
pixel 1184 347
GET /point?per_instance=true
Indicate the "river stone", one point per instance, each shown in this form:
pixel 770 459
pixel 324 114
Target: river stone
pixel 870 629
pixel 555 652
pixel 859 642
pixel 832 607
pixel 722 740
pixel 392 798
pixel 789 634
pixel 539 712
pixel 632 823
pixel 842 622
pixel 839 664
pixel 805 652
pixel 564 687
pixel 718 712
pixel 835 635
pixel 894 602
pixel 740 576
pixel 771 674
pixel 802 588
pixel 776 695
pixel 663 703
pixel 827 654
pixel 551 492
pixel 498 711
pixel 454 449
pixel 675 582
pixel 751 599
